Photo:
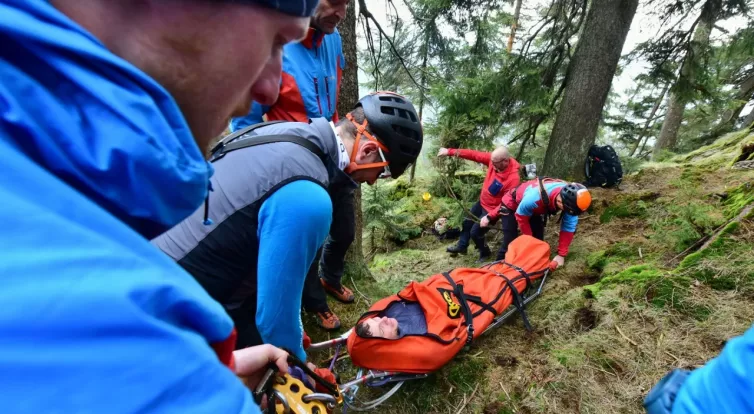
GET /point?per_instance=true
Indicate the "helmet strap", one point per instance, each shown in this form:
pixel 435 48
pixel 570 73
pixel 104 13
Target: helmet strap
pixel 361 130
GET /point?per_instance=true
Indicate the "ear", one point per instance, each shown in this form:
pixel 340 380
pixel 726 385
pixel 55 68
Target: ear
pixel 367 151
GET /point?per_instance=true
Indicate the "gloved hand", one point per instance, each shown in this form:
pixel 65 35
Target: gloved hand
pixel 327 375
pixel 307 341
pixel 443 152
pixel 484 222
pixel 557 262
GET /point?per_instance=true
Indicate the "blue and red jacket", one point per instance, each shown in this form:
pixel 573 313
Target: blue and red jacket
pixel 526 201
pixel 309 85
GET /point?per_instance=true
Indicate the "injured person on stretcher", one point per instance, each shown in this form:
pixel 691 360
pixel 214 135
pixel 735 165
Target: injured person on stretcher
pixel 423 326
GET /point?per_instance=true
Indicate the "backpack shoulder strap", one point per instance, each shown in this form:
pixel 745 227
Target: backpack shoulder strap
pixel 227 144
pixel 545 196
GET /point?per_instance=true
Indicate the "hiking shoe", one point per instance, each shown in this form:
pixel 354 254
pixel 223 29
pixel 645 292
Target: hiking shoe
pixel 328 320
pixel 455 249
pixel 484 255
pixel 343 294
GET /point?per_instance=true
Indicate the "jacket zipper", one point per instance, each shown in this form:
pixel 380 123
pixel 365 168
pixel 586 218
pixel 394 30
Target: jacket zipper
pixel 327 91
pixel 316 92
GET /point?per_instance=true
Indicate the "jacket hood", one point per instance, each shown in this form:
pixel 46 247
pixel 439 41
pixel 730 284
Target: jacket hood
pixel 95 121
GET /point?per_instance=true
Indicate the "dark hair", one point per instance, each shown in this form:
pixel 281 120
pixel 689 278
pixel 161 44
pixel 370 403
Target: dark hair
pixel 348 127
pixel 363 331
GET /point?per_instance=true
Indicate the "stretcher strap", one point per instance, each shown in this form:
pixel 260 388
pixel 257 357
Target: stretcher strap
pixel 519 270
pixel 467 316
pixel 517 301
pixel 485 307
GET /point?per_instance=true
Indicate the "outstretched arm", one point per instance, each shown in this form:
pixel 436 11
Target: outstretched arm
pixel 290 232
pixel 471 155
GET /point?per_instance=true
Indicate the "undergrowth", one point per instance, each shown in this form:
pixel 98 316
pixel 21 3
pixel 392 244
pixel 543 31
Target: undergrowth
pixel 636 298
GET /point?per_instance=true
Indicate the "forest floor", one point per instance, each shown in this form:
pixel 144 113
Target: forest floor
pixel 634 300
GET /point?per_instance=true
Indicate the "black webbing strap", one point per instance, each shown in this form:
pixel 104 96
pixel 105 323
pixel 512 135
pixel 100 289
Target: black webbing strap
pixel 467 316
pixel 485 307
pixel 518 301
pixel 519 270
pixel 230 142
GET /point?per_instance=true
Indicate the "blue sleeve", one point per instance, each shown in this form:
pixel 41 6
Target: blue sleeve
pixel 725 384
pixel 528 202
pixel 293 224
pixel 569 223
pixel 89 307
pixel 253 117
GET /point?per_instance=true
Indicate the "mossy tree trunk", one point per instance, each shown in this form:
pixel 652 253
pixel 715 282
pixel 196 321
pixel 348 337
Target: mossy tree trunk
pixel 349 95
pixel 590 74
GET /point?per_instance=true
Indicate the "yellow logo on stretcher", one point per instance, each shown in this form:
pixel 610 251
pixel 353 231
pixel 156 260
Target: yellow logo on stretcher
pixel 453 307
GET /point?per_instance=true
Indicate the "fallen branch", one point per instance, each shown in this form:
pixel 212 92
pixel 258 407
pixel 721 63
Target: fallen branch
pixel 460 410
pixel 353 283
pixel 673 356
pixel 706 241
pixel 625 337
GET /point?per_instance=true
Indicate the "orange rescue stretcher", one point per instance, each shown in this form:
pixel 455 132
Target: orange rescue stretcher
pixel 459 306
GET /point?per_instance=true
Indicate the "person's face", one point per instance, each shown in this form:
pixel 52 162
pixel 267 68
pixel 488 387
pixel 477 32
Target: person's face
pixel 559 202
pixel 500 164
pixel 368 153
pixel 328 14
pixel 383 327
pixel 235 57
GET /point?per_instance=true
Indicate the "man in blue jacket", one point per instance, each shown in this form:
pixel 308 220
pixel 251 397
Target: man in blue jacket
pixel 105 109
pixel 252 244
pixel 309 89
pixel 723 385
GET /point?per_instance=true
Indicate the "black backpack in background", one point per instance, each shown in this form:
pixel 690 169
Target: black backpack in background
pixel 602 167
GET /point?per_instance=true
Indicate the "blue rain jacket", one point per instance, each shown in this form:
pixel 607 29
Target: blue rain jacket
pixel 96 158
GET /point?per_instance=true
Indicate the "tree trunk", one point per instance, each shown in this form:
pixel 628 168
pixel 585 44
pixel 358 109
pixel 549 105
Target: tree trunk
pixel 749 119
pixel 676 103
pixel 514 25
pixel 651 119
pixel 590 73
pixel 422 82
pixel 349 96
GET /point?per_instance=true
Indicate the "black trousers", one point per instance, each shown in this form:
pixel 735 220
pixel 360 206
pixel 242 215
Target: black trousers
pixel 472 230
pixel 244 319
pixel 510 231
pixel 331 257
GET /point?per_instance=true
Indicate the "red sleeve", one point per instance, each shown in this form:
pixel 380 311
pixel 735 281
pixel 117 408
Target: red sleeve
pixel 523 224
pixel 471 155
pixel 224 350
pixel 566 237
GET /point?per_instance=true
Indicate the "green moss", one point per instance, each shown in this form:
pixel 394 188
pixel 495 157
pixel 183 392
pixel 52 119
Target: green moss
pixel 660 288
pixel 597 260
pixel 738 199
pixel 723 265
pixel 569 357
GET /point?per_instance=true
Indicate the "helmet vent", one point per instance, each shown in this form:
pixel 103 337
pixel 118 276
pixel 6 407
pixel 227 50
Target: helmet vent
pixel 388 110
pixel 392 98
pixel 406 132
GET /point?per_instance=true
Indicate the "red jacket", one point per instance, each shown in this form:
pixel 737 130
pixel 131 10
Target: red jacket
pixel 495 183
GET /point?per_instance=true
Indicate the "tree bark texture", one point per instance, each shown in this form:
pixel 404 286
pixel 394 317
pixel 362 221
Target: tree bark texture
pixel 349 96
pixel 676 104
pixel 514 25
pixel 590 74
pixel 749 120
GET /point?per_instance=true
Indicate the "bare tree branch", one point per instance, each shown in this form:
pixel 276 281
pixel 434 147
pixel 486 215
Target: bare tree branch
pixel 368 15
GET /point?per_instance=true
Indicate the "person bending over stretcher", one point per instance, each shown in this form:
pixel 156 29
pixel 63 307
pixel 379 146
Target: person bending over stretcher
pixel 400 319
